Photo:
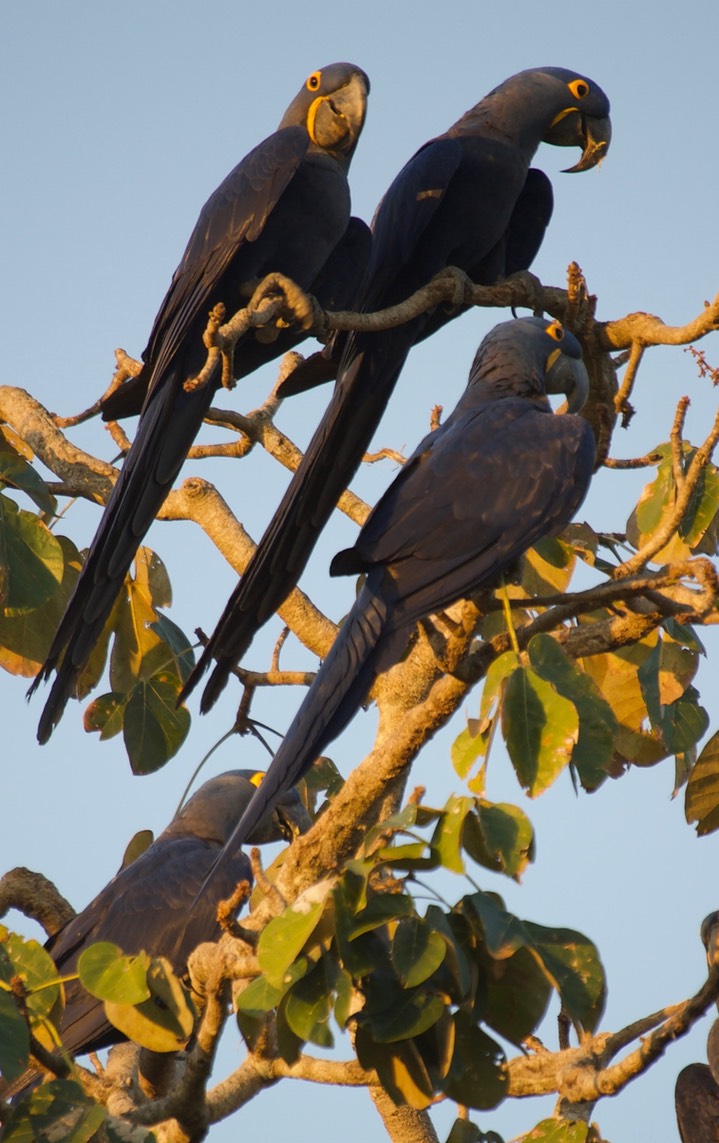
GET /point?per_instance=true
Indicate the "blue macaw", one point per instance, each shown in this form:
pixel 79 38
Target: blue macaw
pixel 469 199
pixel 284 208
pixel 501 473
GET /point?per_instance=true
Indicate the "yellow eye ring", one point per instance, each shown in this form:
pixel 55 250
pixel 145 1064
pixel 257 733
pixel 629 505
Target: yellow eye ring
pixel 579 88
pixel 314 81
pixel 556 331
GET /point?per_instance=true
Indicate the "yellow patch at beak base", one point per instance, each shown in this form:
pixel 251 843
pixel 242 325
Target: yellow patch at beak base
pixel 562 115
pixel 551 359
pixel 312 115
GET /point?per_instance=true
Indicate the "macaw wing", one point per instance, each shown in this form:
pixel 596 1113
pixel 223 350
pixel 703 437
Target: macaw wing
pixel 405 212
pixel 475 498
pixel 530 218
pixel 233 216
pixel 146 906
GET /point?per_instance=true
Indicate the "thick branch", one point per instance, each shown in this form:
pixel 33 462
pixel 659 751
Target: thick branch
pixel 36 897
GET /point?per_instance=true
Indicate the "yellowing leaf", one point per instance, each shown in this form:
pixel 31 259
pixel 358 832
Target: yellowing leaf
pixel 702 793
pixel 548 567
pixel 540 728
pixel 164 1022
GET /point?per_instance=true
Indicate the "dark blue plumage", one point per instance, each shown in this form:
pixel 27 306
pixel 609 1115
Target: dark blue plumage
pixel 501 473
pixel 284 208
pixel 467 198
pixel 147 905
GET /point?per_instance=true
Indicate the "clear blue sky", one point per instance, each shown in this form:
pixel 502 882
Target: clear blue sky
pixel 119 120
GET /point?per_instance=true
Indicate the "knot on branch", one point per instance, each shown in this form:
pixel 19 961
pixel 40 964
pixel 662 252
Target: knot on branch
pixel 295 306
pixel 455 287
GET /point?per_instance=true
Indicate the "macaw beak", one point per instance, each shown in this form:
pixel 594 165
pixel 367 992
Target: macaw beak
pixel 567 375
pixel 336 120
pixel 596 137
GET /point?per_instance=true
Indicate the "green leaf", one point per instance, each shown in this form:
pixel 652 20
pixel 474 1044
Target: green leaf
pixel 138 651
pixel 151 576
pixel 468 746
pixel 499 670
pixel 464 1131
pixel 659 498
pixel 16 472
pixel 30 961
pixel 683 722
pixel 401 822
pixel 401 1069
pixel 500 837
pixel 14 1038
pixel 569 960
pixel 455 961
pixel 477 1077
pixel 344 988
pixel 417 951
pixel 702 507
pixel 665 675
pixel 515 997
pixel 259 996
pixel 137 845
pixel 685 635
pixel 655 499
pixel 540 728
pixel 285 936
pixel 106 714
pixel 558 1131
pixel 165 1021
pixel 573 966
pixel 154 727
pixel 380 910
pixel 31 560
pixel 177 643
pixel 584 540
pixel 502 932
pixel 410 1013
pixel 59 1110
pixel 110 975
pixel 594 749
pixel 289 1046
pixel 447 837
pixel 308 1007
pixel 701 802
pixel 548 567
pixel 412 856
pixel 353 887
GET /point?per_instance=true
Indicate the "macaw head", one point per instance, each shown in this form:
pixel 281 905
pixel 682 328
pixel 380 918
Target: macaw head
pixel 331 106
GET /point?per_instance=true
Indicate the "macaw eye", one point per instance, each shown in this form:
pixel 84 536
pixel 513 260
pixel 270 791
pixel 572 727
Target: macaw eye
pixel 579 88
pixel 556 331
pixel 314 81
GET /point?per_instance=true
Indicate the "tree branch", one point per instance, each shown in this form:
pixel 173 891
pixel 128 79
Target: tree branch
pixel 36 897
pixel 584 1074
